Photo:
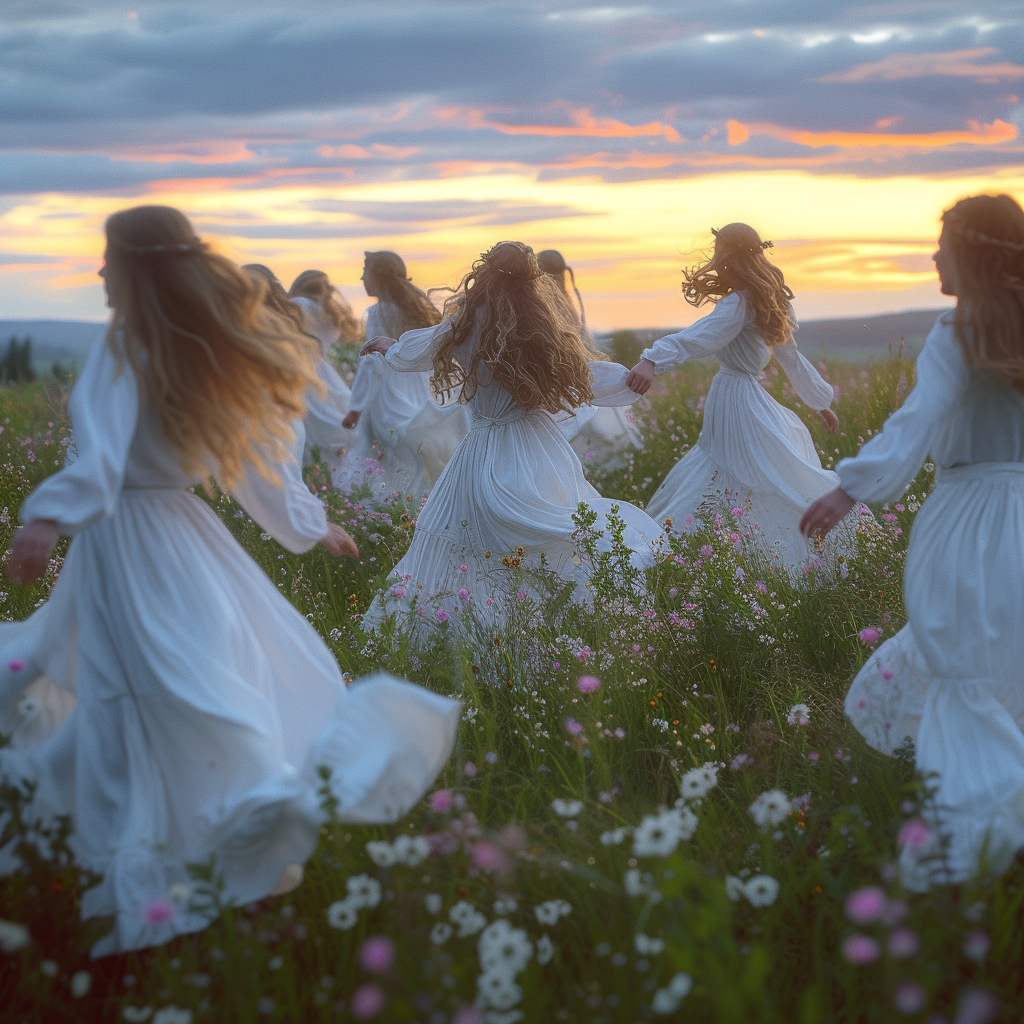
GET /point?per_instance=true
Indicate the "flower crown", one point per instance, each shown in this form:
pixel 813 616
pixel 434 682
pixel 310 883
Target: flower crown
pixel 760 247
pixel 178 249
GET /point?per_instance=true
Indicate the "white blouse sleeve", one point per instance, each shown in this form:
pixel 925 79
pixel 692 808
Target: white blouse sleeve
pixel 703 338
pixel 813 389
pixel 610 384
pixel 369 376
pixel 415 349
pixel 883 469
pixel 293 516
pixel 104 410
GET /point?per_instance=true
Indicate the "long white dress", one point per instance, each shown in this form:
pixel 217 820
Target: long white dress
pixel 603 438
pixel 751 450
pixel 322 421
pixel 953 678
pixel 404 438
pixel 167 696
pixel 513 482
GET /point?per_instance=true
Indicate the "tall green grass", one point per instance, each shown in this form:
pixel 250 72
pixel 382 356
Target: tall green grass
pixel 706 671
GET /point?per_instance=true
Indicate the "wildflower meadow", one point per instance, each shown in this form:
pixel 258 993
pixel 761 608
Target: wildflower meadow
pixel 656 808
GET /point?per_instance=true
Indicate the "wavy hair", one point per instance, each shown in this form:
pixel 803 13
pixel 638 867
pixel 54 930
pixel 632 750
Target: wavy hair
pixel 396 287
pixel 226 373
pixel 529 336
pixel 739 264
pixel 985 235
pixel 316 285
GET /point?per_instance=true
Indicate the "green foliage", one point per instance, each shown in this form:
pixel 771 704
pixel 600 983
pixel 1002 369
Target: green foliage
pixel 699 668
pixel 16 366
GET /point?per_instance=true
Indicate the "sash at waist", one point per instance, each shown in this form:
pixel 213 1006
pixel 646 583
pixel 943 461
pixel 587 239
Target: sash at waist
pixel 977 471
pixel 513 415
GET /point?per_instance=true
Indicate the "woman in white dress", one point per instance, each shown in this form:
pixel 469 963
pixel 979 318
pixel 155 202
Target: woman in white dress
pixel 401 437
pixel 953 678
pixel 603 437
pixel 752 452
pixel 514 356
pixel 187 707
pixel 325 407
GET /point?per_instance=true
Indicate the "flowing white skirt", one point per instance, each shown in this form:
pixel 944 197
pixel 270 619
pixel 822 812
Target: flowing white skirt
pixel 603 437
pixel 755 454
pixel 953 678
pixel 181 710
pixel 512 483
pixel 318 433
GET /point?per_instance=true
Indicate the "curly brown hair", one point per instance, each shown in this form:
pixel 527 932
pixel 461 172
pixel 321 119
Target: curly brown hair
pixel 316 285
pixel 739 264
pixel 985 235
pixel 529 336
pixel 226 373
pixel 396 287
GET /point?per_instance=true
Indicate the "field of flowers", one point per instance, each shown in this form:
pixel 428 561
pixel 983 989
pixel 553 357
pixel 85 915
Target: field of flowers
pixel 655 810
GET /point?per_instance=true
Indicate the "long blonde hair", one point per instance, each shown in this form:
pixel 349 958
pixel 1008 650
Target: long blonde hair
pixel 739 255
pixel 316 285
pixel 985 235
pixel 529 337
pixel 395 286
pixel 226 374
pixel 552 262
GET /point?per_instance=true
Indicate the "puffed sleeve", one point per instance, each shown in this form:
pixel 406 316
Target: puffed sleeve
pixel 415 349
pixel 703 338
pixel 104 409
pixel 883 469
pixel 610 384
pixel 368 378
pixel 293 516
pixel 814 391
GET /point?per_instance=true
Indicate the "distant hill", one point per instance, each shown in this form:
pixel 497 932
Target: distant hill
pixel 853 338
pixel 65 340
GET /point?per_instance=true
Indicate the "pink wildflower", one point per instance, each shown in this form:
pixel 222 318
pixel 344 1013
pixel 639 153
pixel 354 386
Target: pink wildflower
pixel 914 833
pixel 442 615
pixel 159 911
pixel 886 673
pixel 976 946
pixel 441 800
pixel 398 591
pixel 741 761
pixel 860 950
pixel 469 770
pixel 466 1015
pixel 976 1007
pixel 706 550
pixel 866 905
pixel 15 665
pixel 367 1002
pixel 588 684
pixel 489 857
pixel 463 594
pixel 464 568
pixel 377 954
pixel 869 635
pixel 573 727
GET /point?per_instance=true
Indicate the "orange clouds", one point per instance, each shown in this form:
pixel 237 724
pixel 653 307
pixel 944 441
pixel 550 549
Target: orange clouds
pixel 583 123
pixel 376 149
pixel 954 63
pixel 977 135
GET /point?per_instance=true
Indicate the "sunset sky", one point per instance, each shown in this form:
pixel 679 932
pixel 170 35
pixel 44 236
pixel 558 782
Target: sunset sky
pixel 301 134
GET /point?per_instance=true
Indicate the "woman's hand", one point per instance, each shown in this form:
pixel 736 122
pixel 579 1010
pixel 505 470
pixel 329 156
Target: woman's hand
pixel 824 513
pixel 31 549
pixel 351 421
pixel 830 419
pixel 378 344
pixel 338 542
pixel 641 377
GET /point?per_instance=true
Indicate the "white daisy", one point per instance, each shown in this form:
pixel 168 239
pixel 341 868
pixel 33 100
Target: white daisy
pixel 658 834
pixel 761 890
pixel 647 946
pixel 503 949
pixel 466 918
pixel 734 888
pixel 440 933
pixel 698 782
pixel 770 808
pixel 499 991
pixel 411 850
pixel 381 853
pixel 363 891
pixel 567 808
pixel 550 911
pixel 13 936
pixel 545 950
pixel 799 714
pixel 433 902
pixel 342 914
pixel 614 837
